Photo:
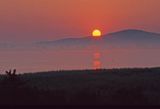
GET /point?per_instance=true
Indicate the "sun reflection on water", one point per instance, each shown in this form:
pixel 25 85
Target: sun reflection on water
pixel 96 61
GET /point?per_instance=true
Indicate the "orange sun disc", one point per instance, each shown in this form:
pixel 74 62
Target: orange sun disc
pixel 96 33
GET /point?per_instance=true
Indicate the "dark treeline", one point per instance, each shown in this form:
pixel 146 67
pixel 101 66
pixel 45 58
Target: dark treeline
pixel 82 87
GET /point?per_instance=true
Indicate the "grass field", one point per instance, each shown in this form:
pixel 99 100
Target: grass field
pixel 84 87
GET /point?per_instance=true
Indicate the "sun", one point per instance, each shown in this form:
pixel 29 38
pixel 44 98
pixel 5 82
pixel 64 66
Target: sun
pixel 96 33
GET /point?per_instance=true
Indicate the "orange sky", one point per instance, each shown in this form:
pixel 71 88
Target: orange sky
pixel 31 20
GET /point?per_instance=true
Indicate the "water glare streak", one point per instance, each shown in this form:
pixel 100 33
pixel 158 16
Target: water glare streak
pixel 97 61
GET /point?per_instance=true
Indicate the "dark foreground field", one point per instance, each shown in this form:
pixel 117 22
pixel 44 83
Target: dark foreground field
pixel 88 87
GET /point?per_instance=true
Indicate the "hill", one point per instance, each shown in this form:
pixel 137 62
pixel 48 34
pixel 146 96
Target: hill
pixel 83 87
pixel 123 39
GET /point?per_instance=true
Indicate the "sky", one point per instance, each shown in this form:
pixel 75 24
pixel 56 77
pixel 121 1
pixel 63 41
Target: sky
pixel 38 20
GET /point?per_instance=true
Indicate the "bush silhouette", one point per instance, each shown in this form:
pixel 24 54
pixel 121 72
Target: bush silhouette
pixel 10 74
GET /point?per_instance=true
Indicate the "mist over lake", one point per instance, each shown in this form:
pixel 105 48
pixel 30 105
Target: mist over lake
pixel 34 60
pixel 122 49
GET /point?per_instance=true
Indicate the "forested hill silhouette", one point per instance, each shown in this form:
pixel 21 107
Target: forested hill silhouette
pixel 121 39
pixel 134 87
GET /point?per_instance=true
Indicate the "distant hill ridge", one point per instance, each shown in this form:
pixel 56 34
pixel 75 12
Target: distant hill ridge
pixel 122 39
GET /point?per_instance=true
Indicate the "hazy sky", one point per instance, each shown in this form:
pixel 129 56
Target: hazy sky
pixel 31 20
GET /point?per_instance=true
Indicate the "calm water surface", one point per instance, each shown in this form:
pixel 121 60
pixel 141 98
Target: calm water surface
pixel 34 60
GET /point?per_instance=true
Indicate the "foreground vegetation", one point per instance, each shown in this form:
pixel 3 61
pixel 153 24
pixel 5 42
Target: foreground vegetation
pixel 86 87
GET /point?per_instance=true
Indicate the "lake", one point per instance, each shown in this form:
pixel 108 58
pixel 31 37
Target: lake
pixel 35 60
